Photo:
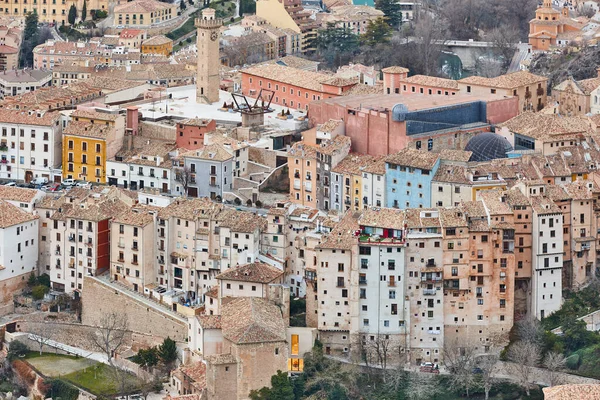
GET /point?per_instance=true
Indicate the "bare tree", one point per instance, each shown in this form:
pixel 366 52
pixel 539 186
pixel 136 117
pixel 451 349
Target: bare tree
pixel 504 39
pixel 430 37
pixel 110 334
pixel 530 330
pixel 587 11
pixel 459 358
pixel 554 362
pixel 41 333
pixel 184 176
pixel 525 356
pixel 421 386
pixel 487 364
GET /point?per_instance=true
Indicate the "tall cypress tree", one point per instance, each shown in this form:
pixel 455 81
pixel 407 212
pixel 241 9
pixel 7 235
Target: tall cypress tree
pixel 84 11
pixel 72 15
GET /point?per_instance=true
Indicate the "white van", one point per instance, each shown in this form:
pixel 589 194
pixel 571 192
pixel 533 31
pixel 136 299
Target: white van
pixel 40 181
pixel 68 182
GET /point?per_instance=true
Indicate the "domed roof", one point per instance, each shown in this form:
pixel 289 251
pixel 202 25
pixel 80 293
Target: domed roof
pixel 488 146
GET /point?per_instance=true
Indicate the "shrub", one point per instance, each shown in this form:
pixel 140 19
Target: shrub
pixel 16 350
pixel 39 292
pixel 100 14
pixel 249 202
pixel 62 390
pixel 237 201
pixel 572 361
pixel 258 203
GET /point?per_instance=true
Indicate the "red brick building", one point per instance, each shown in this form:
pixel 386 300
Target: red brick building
pixel 385 124
pixel 190 132
pixel 293 87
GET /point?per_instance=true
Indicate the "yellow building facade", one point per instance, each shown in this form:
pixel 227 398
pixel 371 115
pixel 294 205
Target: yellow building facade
pixel 141 13
pixel 50 11
pixel 89 140
pixel 158 45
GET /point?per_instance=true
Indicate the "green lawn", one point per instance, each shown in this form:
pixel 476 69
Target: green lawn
pixel 100 380
pixel 55 365
pixel 90 375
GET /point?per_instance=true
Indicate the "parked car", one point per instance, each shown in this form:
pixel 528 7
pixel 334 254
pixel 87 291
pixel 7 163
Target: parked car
pixel 11 184
pixel 68 182
pixel 53 187
pixel 83 184
pixel 429 367
pixel 40 181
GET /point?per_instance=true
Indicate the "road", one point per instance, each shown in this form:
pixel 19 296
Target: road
pixel 521 54
pixel 503 370
pixel 55 34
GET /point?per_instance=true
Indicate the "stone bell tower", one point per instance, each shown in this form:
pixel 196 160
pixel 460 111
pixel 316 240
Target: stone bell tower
pixel 207 79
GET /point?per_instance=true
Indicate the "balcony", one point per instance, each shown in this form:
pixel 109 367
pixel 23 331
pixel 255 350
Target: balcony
pixel 71 238
pixel 72 265
pixel 479 295
pixel 431 279
pixel 429 292
pixel 134 262
pixel 161 261
pixel 297 175
pixel 540 91
pixel 430 263
pixel 134 248
pixel 120 259
pixel 362 281
pixel 121 245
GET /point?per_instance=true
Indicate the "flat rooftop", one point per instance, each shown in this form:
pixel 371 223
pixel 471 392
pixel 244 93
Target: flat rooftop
pixel 183 104
pixel 413 102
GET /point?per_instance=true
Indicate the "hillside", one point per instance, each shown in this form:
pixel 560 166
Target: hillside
pixel 558 67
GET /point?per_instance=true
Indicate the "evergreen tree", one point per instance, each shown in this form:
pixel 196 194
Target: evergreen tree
pixel 31 35
pixel 168 351
pixel 72 15
pixel 84 11
pixel 378 31
pixel 182 5
pixel 391 9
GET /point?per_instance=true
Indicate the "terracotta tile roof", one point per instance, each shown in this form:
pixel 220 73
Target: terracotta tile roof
pixel 492 200
pixel 432 81
pixel 507 81
pixel 455 155
pixel 195 122
pixel 17 194
pixel 191 209
pixel 47 118
pixel 209 321
pixel 544 126
pixel 249 320
pixel 474 209
pixel 355 12
pixel 414 158
pixel 87 129
pixel 137 215
pixel 390 218
pixel 196 372
pixel 213 292
pixel 294 61
pixel 395 70
pixel 578 190
pixel 218 359
pixel 452 174
pixel 253 272
pixel 211 152
pixel 362 89
pixel 12 215
pixel 342 236
pixel 329 126
pixel 297 77
pixel 337 145
pixel 452 217
pixel 353 164
pixel 94 115
pixel 94 212
pixel 156 40
pixel 571 392
pixel 416 218
pixel 142 6
pixel 303 150
pixel 544 205
pixel 515 197
pixel 241 221
pixel 130 33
